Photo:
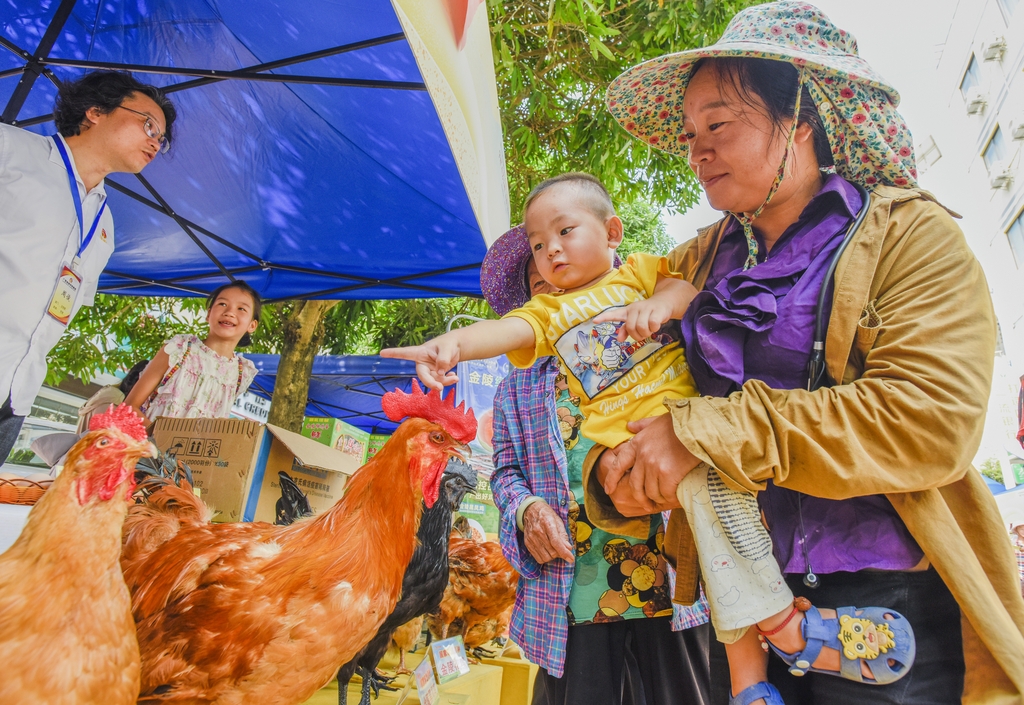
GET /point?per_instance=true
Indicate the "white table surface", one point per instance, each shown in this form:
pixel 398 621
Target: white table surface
pixel 12 519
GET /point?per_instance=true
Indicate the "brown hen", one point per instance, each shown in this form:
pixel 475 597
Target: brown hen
pixel 66 631
pixel 481 589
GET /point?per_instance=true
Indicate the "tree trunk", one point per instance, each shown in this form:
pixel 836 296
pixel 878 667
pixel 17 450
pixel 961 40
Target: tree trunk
pixel 302 332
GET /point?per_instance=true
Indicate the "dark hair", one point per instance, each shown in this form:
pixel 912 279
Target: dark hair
pixel 773 82
pixel 132 377
pixel 590 193
pixel 105 90
pixel 257 304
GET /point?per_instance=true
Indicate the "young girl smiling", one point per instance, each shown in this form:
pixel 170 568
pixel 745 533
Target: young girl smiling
pixel 190 377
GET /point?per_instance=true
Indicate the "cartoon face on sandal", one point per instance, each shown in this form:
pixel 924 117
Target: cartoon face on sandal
pixel 862 638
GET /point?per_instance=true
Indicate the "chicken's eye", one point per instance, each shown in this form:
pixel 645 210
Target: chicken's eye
pixel 102 442
pixel 437 437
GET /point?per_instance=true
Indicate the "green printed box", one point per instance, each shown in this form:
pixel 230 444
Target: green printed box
pixel 337 434
pixel 377 441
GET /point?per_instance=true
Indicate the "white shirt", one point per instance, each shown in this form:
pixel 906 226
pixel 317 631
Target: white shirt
pixel 39 234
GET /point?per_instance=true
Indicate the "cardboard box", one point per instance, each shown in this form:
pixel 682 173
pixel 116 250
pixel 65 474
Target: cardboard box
pixel 236 464
pixel 337 434
pixel 377 441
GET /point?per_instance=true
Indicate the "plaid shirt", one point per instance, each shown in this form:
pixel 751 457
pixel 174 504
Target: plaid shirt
pixel 529 459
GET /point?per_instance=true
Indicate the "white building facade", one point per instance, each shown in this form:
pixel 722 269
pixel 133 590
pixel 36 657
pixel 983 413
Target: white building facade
pixel 973 164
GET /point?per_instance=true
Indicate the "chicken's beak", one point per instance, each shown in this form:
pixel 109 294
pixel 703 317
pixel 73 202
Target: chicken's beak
pixel 432 482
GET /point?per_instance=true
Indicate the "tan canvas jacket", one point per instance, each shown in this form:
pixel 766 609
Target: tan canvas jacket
pixel 911 339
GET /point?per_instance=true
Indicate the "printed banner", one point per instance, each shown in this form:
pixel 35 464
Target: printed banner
pixel 478 382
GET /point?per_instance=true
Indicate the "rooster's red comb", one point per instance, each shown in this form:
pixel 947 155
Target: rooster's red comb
pixel 123 418
pixel 461 424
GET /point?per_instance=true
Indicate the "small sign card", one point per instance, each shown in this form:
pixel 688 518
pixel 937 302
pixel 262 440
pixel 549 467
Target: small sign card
pixel 426 687
pixel 449 658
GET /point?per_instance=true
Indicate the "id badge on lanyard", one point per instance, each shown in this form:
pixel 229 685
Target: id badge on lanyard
pixel 69 283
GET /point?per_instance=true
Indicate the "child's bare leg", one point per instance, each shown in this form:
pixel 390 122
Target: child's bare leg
pixel 748 663
pixel 790 639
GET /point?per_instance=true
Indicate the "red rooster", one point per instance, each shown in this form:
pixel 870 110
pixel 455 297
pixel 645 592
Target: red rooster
pixel 257 613
pixel 66 631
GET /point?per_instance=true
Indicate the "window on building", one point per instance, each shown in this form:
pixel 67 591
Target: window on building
pixel 972 77
pixel 996 150
pixel 1008 7
pixel 1016 237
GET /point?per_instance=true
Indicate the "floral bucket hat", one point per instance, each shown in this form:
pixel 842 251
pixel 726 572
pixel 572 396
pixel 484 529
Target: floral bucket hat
pixel 871 144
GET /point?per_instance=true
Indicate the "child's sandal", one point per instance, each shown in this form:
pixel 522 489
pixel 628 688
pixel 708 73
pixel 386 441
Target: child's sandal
pixel 875 635
pixel 764 690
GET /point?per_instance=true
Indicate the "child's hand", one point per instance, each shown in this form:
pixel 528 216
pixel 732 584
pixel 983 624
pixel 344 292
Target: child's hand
pixel 641 319
pixel 433 360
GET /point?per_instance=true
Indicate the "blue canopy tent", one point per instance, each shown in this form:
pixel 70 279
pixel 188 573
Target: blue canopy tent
pixel 310 155
pixel 344 387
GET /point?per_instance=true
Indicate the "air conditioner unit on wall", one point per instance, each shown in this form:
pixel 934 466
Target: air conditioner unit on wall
pixel 994 50
pixel 976 101
pixel 1001 175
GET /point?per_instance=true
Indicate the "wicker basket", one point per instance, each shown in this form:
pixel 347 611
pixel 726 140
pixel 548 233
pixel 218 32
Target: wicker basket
pixel 22 491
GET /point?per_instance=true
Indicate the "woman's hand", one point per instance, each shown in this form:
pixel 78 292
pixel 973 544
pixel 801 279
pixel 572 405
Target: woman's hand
pixel 641 476
pixel 544 534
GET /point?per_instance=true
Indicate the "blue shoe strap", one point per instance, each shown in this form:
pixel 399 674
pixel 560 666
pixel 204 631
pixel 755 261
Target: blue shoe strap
pixel 767 691
pixel 816 628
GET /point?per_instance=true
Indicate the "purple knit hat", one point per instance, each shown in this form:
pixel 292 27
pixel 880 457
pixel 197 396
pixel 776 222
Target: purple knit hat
pixel 503 272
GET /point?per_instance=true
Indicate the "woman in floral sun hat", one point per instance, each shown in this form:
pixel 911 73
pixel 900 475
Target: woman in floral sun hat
pixel 859 448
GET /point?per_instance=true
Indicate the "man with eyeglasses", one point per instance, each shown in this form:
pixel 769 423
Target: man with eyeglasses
pixel 56 232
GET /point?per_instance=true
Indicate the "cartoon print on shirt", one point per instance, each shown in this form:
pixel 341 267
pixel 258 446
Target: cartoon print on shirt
pixel 569 425
pixel 562 386
pixel 598 360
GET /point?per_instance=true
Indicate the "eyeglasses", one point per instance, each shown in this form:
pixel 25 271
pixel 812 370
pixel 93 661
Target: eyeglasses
pixel 151 131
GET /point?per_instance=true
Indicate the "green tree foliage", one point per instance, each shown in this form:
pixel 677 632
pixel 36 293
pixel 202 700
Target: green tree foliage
pixel 554 60
pixel 118 331
pixel 643 230
pixel 990 468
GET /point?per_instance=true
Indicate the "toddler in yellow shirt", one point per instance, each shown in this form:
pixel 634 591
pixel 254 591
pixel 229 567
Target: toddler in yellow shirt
pixel 606 327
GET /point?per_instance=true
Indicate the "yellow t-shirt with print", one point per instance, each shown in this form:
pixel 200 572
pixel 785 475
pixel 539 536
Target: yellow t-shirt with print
pixel 616 382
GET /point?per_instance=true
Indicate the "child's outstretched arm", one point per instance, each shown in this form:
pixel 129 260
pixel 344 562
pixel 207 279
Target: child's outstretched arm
pixel 478 341
pixel 643 318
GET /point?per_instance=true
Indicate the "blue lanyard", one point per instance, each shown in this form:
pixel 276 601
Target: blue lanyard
pixel 83 242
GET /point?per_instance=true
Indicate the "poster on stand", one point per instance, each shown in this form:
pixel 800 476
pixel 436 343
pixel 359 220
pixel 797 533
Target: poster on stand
pixel 426 686
pixel 478 382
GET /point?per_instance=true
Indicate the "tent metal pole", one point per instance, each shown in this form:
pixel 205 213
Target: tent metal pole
pixel 157 207
pixel 183 225
pixel 241 75
pixel 399 283
pixel 226 75
pixel 35 64
pixel 15 49
pixel 153 282
pixel 301 58
pixel 12 72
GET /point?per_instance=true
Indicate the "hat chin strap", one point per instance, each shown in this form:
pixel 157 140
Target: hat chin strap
pixel 747 221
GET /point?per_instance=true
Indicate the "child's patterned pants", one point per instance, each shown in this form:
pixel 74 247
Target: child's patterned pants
pixel 742 579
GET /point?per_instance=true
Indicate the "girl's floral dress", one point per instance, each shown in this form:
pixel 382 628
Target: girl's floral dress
pixel 199 381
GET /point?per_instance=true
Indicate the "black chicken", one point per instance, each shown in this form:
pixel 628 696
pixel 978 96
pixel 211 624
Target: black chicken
pixel 423 583
pixel 293 505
